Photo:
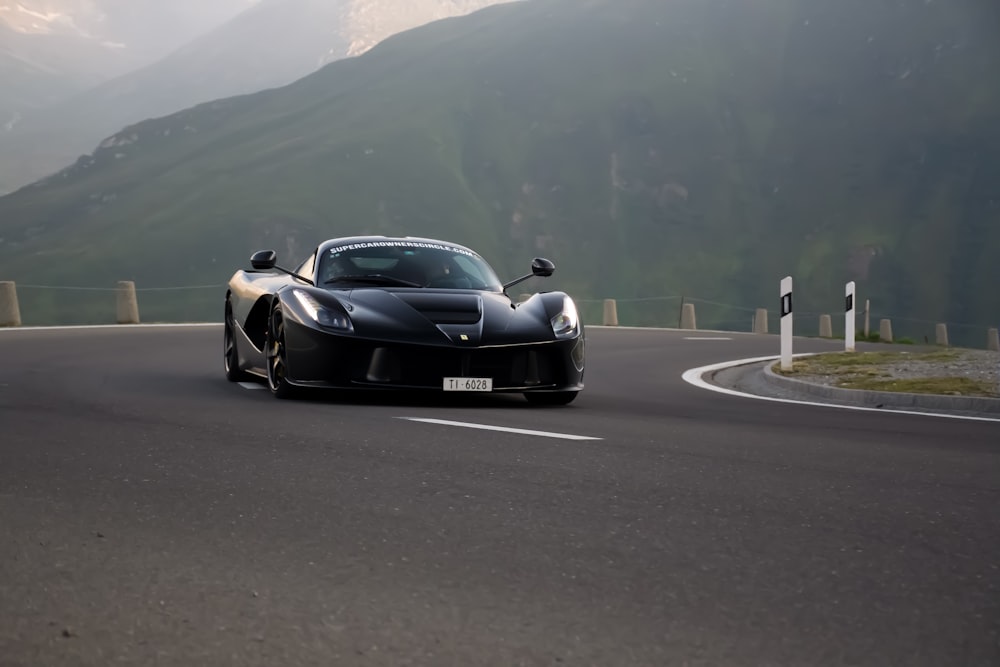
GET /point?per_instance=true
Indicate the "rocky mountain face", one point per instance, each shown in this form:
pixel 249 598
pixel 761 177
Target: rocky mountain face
pixel 368 22
pixel 270 43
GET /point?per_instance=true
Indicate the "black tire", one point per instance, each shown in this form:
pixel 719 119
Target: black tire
pixel 230 353
pixel 550 397
pixel 276 356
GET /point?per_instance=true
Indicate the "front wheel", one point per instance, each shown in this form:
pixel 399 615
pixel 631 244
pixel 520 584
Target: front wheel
pixel 277 356
pixel 550 397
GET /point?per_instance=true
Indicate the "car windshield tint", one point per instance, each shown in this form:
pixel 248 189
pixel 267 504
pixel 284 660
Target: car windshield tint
pixel 417 264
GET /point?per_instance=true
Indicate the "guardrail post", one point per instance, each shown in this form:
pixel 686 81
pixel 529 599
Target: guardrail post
pixel 993 340
pixel 825 326
pixel 128 305
pixel 885 331
pixel 10 312
pixel 610 313
pixel 688 319
pixel 941 334
pixel 760 321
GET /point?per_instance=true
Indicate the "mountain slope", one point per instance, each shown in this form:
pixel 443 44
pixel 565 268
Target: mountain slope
pixel 691 147
pixel 271 44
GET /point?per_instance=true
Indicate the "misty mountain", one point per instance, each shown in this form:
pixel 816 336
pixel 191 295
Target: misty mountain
pixel 695 147
pixel 37 70
pixel 144 30
pixel 268 45
pixel 51 50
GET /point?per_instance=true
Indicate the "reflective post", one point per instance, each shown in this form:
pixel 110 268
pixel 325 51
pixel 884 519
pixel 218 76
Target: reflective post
pixel 850 325
pixel 786 323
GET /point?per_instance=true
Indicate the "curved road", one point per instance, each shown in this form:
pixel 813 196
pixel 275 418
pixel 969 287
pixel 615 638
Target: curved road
pixel 154 514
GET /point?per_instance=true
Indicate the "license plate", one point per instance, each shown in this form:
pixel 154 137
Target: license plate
pixel 468 384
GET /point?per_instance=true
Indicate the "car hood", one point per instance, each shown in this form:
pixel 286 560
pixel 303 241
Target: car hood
pixel 444 317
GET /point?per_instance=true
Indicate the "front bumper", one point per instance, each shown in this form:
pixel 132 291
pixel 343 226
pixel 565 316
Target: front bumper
pixel 324 359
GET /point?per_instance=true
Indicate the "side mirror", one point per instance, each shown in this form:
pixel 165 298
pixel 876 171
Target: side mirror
pixel 542 267
pixel 263 260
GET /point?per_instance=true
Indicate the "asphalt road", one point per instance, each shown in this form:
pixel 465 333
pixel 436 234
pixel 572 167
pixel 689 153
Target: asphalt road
pixel 154 514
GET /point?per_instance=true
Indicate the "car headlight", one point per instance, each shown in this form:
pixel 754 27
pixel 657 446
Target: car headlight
pixel 323 316
pixel 567 321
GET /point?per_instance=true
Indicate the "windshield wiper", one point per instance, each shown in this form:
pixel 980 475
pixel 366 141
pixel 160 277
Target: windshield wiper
pixel 372 279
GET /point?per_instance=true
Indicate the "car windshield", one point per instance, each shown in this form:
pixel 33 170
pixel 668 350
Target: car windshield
pixel 407 264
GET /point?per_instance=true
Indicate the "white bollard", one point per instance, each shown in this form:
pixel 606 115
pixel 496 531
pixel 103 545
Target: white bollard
pixel 786 323
pixel 825 326
pixel 688 319
pixel 850 317
pixel 610 313
pixel 941 334
pixel 128 305
pixel 993 340
pixel 760 321
pixel 10 311
pixel 885 330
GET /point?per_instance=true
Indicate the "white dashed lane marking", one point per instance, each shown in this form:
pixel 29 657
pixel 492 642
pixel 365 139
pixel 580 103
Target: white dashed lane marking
pixel 707 338
pixel 502 429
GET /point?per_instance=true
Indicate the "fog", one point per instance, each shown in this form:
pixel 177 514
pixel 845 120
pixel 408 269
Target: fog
pixel 147 28
pixel 73 72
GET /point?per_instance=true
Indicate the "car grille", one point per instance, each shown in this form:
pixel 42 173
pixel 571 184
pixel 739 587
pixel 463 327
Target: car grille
pixel 417 366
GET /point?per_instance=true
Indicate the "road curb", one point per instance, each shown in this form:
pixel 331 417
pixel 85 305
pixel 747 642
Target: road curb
pixel 884 399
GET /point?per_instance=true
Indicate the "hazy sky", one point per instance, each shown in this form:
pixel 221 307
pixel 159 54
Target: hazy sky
pixel 148 26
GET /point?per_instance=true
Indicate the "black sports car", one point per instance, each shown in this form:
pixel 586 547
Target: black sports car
pixel 375 312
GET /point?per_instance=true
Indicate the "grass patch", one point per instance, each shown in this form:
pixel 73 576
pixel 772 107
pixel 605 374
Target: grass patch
pixel 950 386
pixel 840 363
pixel 869 370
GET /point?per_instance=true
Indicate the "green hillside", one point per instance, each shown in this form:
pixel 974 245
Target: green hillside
pixel 692 147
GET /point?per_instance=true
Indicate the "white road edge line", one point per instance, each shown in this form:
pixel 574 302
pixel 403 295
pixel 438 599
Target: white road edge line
pixel 694 377
pixel 502 429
